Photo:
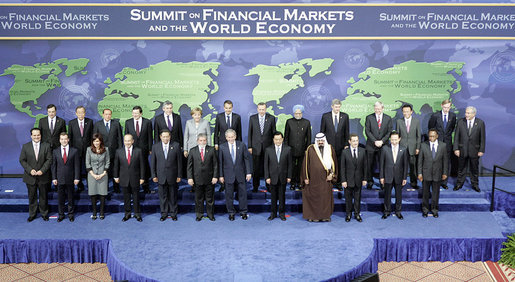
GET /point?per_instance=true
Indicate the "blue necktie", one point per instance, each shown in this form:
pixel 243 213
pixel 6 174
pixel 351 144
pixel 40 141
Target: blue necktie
pixel 233 154
pixel 107 126
pixel 433 151
pixel 229 121
pixel 278 154
pixel 444 121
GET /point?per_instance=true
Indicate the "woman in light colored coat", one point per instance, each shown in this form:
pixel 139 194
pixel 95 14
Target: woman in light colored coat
pixel 97 164
pixel 192 129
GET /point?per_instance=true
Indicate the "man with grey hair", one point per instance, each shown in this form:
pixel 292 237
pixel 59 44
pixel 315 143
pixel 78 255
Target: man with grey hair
pixel 297 135
pixel 469 146
pixel 335 126
pixel 377 129
pixel 170 121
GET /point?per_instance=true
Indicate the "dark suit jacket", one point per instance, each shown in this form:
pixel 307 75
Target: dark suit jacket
pixel 297 135
pixel 65 173
pixel 397 171
pixel 28 162
pixel 167 171
pixel 353 171
pixel 202 172
pixel 278 172
pixel 373 132
pixel 176 134
pixel 470 145
pixel 444 134
pixel 433 169
pixel 112 139
pixel 81 143
pixel 340 138
pixel 412 139
pixel 144 141
pixel 46 136
pixel 238 170
pixel 129 174
pixel 259 142
pixel 221 127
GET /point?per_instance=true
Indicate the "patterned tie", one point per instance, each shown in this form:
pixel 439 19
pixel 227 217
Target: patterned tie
pixel 81 129
pixel 169 123
pixel 229 121
pixel 65 158
pixel 433 151
pixel 262 124
pixel 379 122
pixel 137 128
pixel 444 121
pixel 278 154
pixel 202 154
pixel 407 125
pixel 51 126
pixel 335 123
pixel 233 154
pixel 129 156
pixel 36 150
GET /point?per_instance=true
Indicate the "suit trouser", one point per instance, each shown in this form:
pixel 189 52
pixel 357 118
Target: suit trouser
pixel 435 195
pixel 373 157
pixel 168 199
pixel 413 169
pixel 297 166
pixel 64 190
pixel 258 164
pixel 205 193
pixel 127 193
pixel 33 198
pixel 473 163
pixel 388 197
pixel 242 197
pixel 278 192
pixel 450 155
pixel 352 193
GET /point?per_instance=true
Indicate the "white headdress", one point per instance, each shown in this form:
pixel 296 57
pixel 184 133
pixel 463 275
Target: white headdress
pixel 327 157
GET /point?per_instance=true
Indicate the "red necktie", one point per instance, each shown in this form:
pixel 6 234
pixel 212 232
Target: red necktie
pixel 129 156
pixel 202 154
pixel 137 128
pixel 64 155
pixel 379 123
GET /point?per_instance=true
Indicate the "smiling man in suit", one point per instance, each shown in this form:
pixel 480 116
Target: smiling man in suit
pixel 393 173
pixel 171 121
pixel 51 126
pixel 444 122
pixel 203 174
pixel 36 159
pixel 354 169
pixel 278 171
pixel 378 127
pixel 80 130
pixel 261 133
pixel 65 174
pixel 469 146
pixel 128 172
pixel 227 119
pixel 141 129
pixel 235 168
pixel 166 171
pixel 409 129
pixel 432 169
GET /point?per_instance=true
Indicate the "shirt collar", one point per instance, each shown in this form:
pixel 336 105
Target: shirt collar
pixel 34 143
pixel 435 143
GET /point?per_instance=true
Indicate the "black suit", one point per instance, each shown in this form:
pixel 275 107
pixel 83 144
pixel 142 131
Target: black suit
pixel 393 173
pixel 258 143
pixel 129 175
pixel 167 171
pixel 176 133
pixel 432 170
pixel 81 141
pixel 469 143
pixel 374 133
pixel 143 141
pixel 65 174
pixel 113 139
pixel 278 172
pixel 337 138
pixel 51 137
pixel 36 184
pixel 221 126
pixel 202 172
pixel 297 135
pixel 445 135
pixel 354 172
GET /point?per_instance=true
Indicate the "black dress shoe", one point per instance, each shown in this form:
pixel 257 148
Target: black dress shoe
pixel 282 217
pixel 138 218
pixel 61 218
pixel 369 185
pixel 71 218
pixel 94 217
pixel 125 218
pixel 271 217
pixel 476 188
pixel 424 214
pixel 444 186
pixel 163 218
pixel 347 218
pixel 385 216
pixel 222 188
pixel 198 218
pixel 31 218
pixel 358 218
pixel 458 187
pixel 244 216
pixel 254 190
pixel 174 217
pixel 399 216
pixel 102 217
pixel 46 218
pixel 414 185
pixel 435 215
pixel 212 218
pixel 231 217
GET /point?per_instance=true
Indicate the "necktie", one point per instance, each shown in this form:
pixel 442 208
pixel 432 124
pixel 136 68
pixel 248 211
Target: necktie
pixel 394 155
pixel 137 128
pixel 379 122
pixel 51 126
pixel 444 121
pixel 65 158
pixel 470 126
pixel 229 121
pixel 107 126
pixel 278 154
pixel 262 124
pixel 335 123
pixel 81 129
pixel 169 123
pixel 433 151
pixel 202 154
pixel 355 154
pixel 36 150
pixel 407 125
pixel 129 156
pixel 233 154
pixel 166 151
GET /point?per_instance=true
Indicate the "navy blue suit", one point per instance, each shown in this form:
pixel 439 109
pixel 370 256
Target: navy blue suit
pixel 234 174
pixel 65 174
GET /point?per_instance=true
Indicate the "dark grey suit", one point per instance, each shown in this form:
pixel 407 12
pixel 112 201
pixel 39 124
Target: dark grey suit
pixel 469 143
pixel 411 140
pixel 129 175
pixel 176 132
pixel 80 142
pixel 445 131
pixel 374 133
pixel 432 170
pixel 202 172
pixel 258 143
pixel 167 170
pixel 393 173
pixel 278 172
pixel 113 138
pixel 221 126
pixel 354 172
pixel 65 174
pixel 36 184
pixel 51 137
pixel 144 141
pixel 338 139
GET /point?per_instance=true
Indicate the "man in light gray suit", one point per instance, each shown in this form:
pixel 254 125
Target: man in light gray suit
pixel 432 169
pixel 409 128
